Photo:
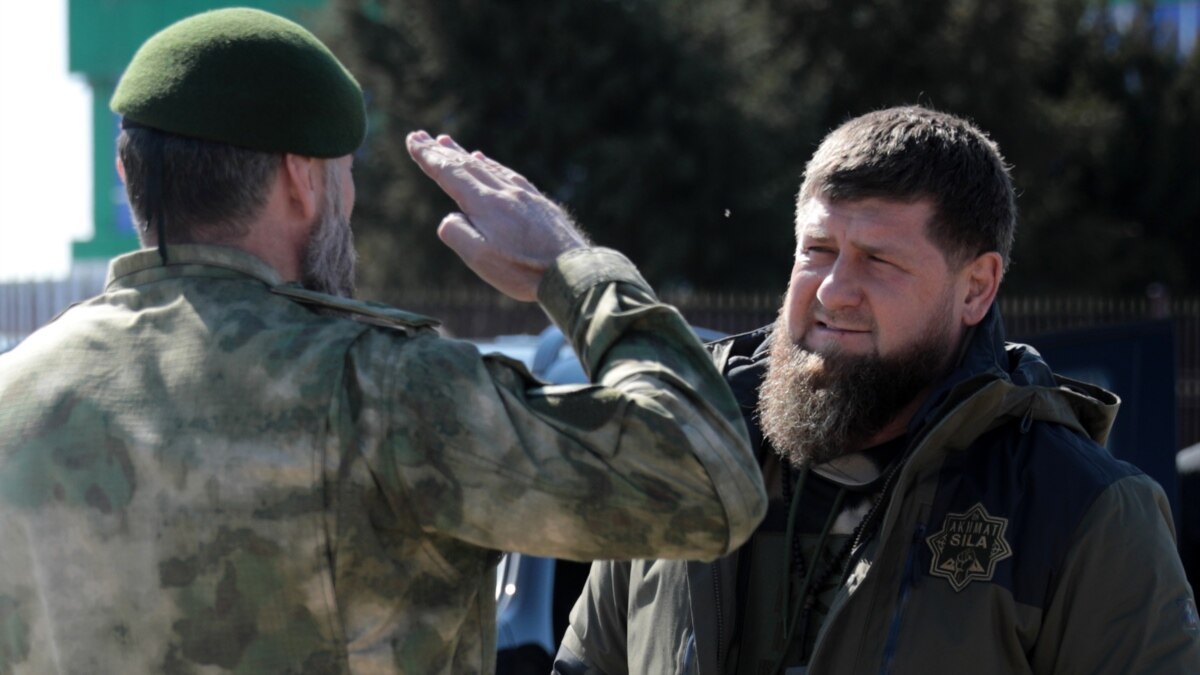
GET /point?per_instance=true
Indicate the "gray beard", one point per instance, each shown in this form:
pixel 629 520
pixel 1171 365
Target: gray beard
pixel 817 407
pixel 330 259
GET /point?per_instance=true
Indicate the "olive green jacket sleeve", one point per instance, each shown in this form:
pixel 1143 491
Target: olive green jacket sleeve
pixel 596 639
pixel 637 617
pixel 650 460
pixel 1123 605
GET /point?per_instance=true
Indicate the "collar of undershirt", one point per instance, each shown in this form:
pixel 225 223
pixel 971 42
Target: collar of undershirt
pixel 863 471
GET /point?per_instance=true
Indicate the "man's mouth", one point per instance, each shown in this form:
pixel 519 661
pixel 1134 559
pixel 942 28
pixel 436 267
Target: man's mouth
pixel 824 325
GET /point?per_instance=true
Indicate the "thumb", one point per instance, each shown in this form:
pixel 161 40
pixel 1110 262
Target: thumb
pixel 461 236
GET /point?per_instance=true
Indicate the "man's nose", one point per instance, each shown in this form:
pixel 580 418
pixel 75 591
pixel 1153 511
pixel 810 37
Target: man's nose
pixel 842 286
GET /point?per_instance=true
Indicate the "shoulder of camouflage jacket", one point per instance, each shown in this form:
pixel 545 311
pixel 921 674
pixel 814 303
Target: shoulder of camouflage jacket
pixel 373 313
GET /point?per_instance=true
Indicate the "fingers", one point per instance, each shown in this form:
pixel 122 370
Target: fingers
pixel 445 140
pixel 438 157
pixel 455 170
pixel 516 277
pixel 509 174
pixel 462 237
pixel 442 164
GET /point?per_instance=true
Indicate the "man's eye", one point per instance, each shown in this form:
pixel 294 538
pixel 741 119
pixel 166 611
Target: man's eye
pixel 883 261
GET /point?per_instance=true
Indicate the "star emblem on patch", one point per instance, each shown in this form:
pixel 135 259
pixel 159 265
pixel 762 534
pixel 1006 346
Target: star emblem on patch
pixel 968 547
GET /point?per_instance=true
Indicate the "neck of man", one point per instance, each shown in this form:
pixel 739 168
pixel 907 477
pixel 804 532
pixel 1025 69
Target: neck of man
pixel 280 232
pixel 898 425
pixel 267 244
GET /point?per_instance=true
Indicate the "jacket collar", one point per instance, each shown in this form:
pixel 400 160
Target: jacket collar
pixel 1031 389
pixel 980 360
pixel 188 260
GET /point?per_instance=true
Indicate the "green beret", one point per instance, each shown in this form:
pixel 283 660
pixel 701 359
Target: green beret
pixel 247 78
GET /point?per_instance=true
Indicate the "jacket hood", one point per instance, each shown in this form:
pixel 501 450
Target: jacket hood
pixel 1031 390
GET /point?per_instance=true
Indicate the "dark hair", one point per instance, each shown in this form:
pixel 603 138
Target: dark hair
pixel 210 191
pixel 910 153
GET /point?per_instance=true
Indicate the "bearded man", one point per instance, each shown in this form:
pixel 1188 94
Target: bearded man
pixel 224 463
pixel 940 502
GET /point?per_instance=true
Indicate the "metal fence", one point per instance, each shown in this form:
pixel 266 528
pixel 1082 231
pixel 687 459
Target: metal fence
pixel 483 313
pixel 24 306
pixel 1027 317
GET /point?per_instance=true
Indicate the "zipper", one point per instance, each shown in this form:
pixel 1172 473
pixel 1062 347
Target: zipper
pixel 689 656
pixel 906 583
pixel 716 575
pixel 881 509
pixel 1027 419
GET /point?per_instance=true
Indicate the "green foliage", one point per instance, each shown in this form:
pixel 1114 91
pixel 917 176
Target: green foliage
pixel 677 130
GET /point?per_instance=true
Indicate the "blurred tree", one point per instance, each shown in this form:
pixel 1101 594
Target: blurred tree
pixel 677 130
pixel 627 111
pixel 1118 197
pixel 1101 122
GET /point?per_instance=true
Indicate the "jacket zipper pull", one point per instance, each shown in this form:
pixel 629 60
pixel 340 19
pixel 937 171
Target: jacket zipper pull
pixel 1027 420
pixel 908 580
pixel 914 569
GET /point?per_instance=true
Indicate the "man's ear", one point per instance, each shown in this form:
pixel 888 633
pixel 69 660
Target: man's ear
pixel 121 169
pixel 982 281
pixel 300 175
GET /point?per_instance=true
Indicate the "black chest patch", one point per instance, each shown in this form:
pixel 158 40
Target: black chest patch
pixel 968 547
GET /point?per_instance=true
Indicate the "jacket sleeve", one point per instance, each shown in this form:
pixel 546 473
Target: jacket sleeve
pixel 650 460
pixel 595 641
pixel 1122 603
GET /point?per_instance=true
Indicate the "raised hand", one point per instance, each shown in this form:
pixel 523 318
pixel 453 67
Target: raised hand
pixel 508 232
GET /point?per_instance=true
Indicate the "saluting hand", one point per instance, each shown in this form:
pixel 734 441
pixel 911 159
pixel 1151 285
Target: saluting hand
pixel 508 232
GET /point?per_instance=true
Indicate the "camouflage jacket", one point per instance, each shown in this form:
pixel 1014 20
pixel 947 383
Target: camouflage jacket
pixel 205 470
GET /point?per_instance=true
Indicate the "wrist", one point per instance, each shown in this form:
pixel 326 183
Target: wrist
pixel 576 271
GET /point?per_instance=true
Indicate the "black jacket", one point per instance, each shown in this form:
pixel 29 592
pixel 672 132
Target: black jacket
pixel 1013 543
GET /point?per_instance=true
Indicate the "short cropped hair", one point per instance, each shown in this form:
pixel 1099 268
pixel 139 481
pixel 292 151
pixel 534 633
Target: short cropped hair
pixel 910 153
pixel 210 192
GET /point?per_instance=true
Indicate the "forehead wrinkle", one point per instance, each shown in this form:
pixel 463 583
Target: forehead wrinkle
pixel 870 228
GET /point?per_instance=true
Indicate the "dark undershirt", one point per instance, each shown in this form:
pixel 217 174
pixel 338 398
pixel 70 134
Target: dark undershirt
pixel 862 480
pixel 761 642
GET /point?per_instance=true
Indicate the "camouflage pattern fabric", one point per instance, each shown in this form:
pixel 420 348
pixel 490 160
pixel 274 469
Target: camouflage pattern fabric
pixel 204 471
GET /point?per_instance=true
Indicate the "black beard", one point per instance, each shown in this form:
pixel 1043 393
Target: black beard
pixel 816 407
pixel 330 259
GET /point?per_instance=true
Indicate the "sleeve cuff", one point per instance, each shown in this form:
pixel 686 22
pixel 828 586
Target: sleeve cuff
pixel 576 272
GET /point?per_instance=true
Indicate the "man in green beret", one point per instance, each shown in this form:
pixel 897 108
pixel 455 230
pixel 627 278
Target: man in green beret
pixel 225 463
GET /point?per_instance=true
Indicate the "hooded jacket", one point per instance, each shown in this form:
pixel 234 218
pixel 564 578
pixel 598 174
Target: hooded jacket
pixel 1013 542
